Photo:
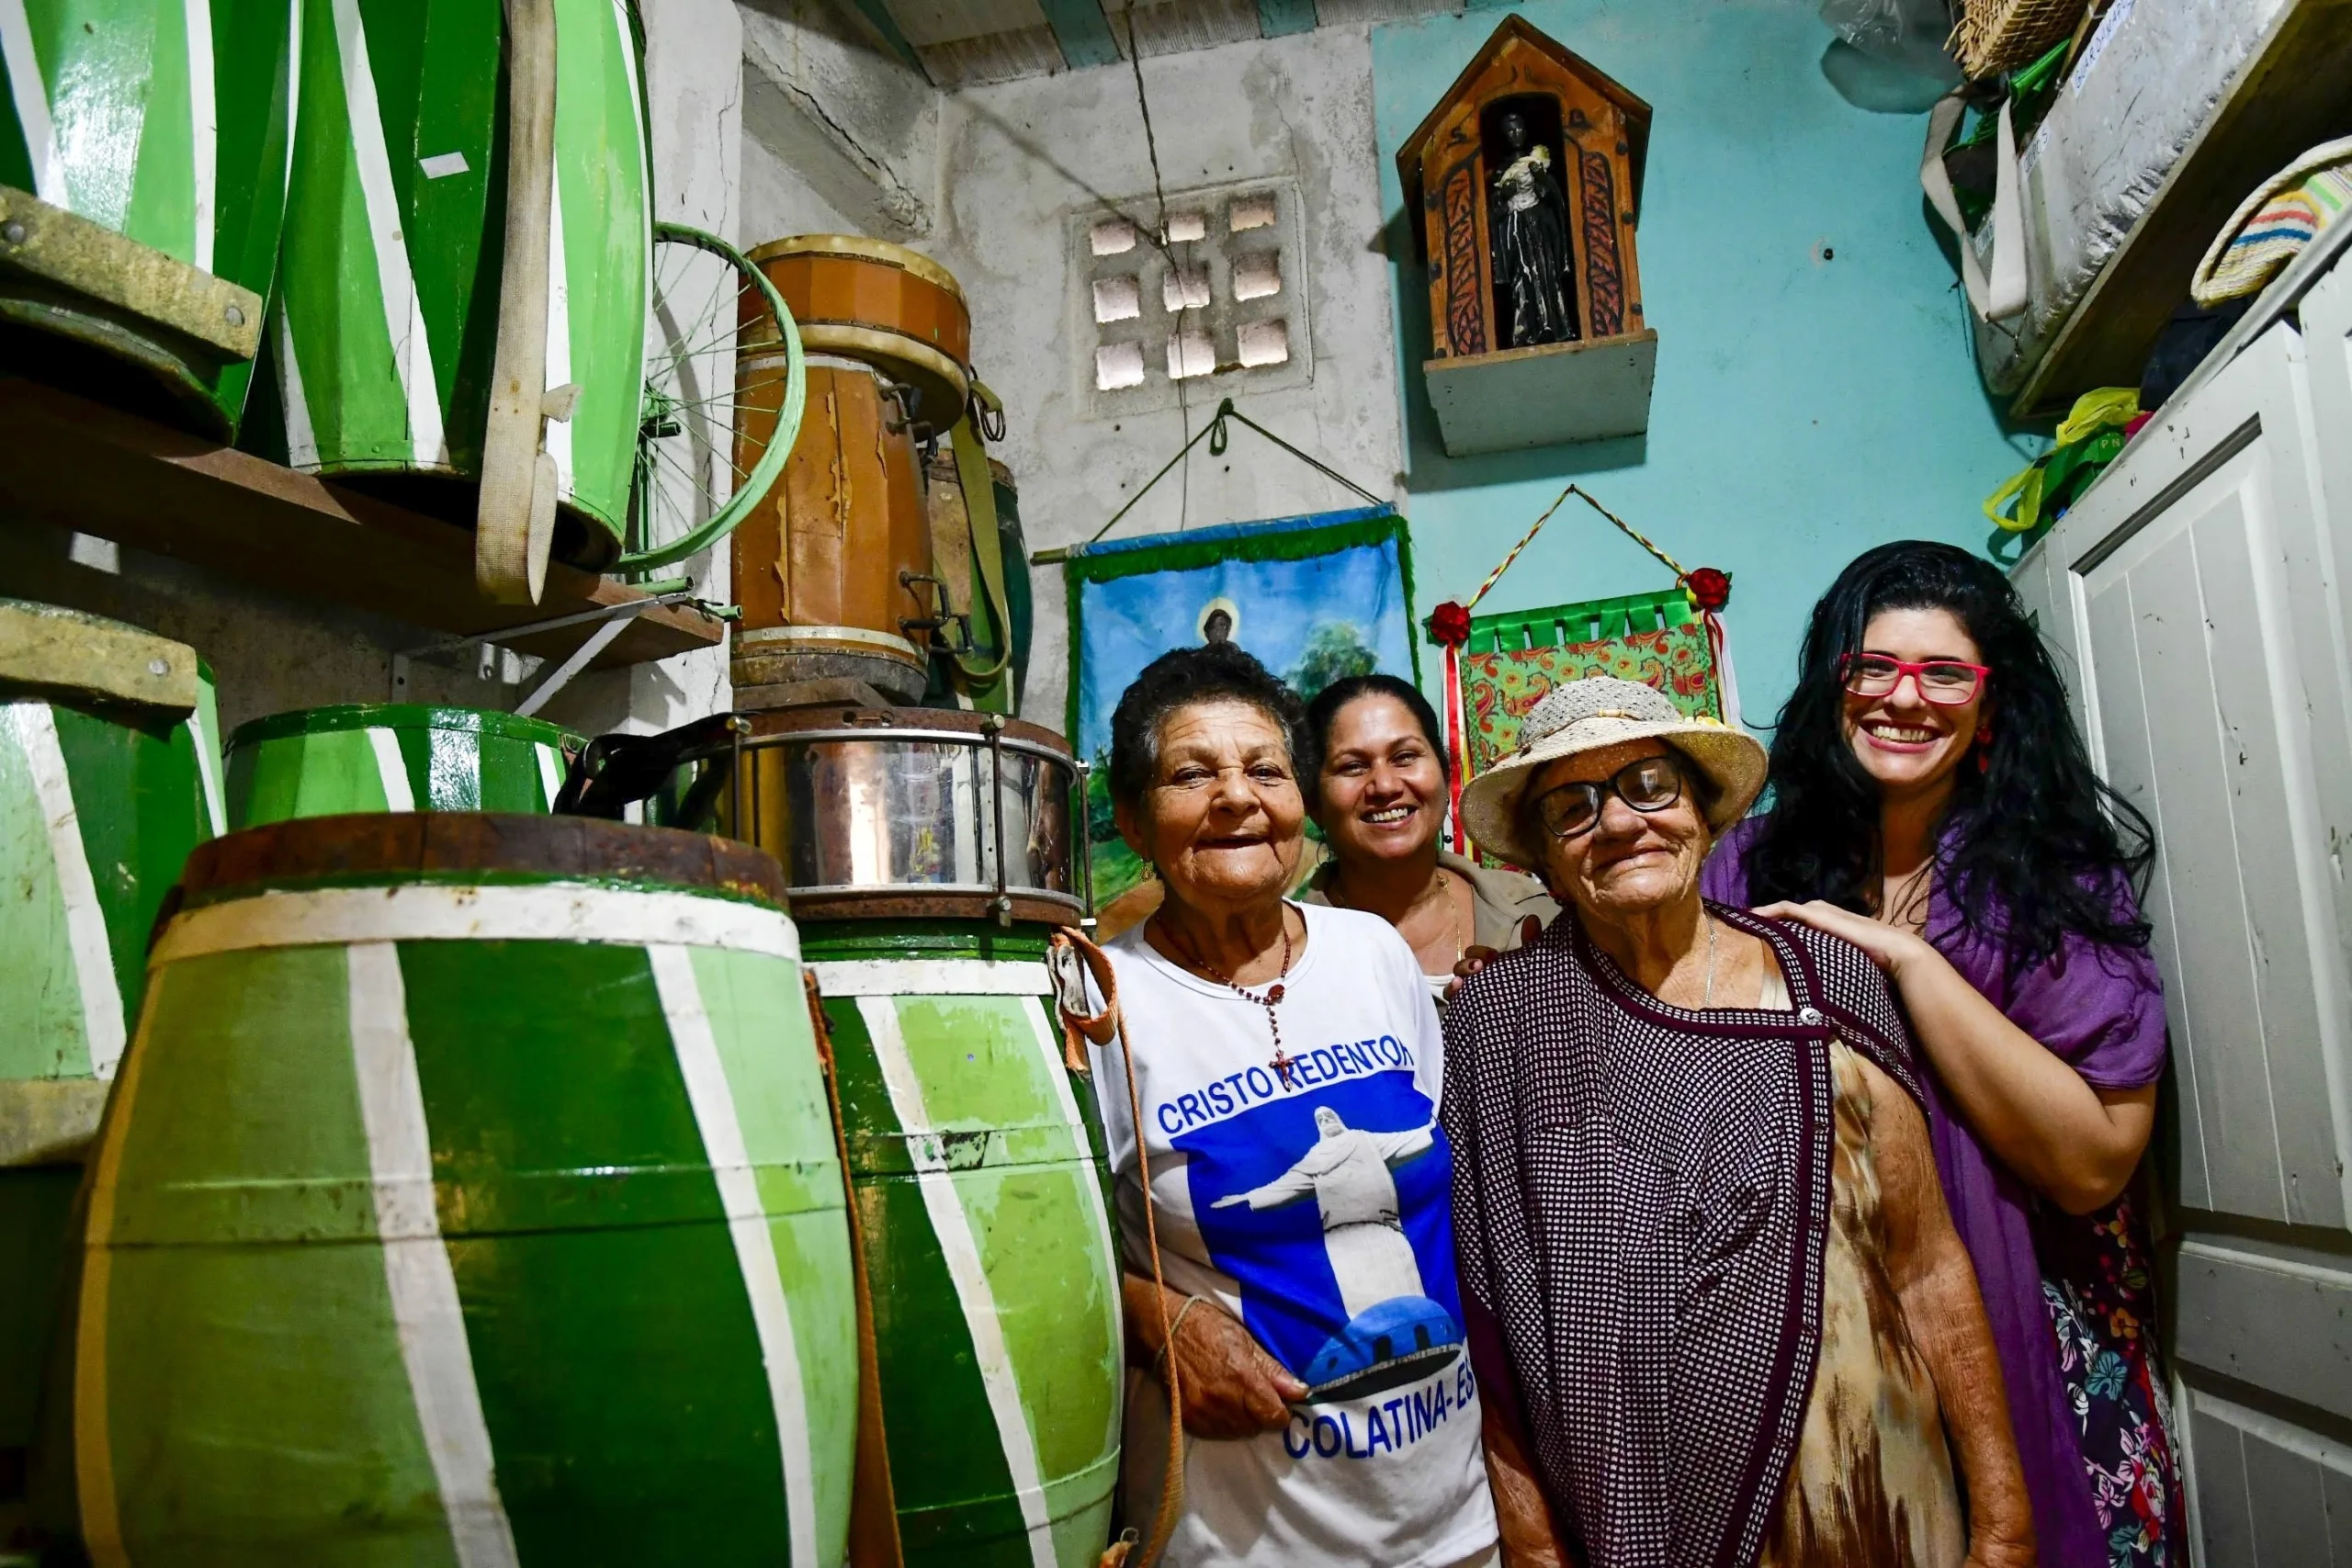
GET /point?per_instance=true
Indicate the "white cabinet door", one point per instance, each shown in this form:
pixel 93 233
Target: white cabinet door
pixel 2207 619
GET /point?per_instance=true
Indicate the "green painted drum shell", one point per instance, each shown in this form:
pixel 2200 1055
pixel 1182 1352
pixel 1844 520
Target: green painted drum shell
pixel 981 1190
pixel 100 807
pixel 402 1243
pixel 395 223
pixel 105 124
pixel 393 757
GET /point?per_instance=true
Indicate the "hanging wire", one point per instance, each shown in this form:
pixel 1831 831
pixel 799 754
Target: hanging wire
pixel 1167 254
pixel 1218 437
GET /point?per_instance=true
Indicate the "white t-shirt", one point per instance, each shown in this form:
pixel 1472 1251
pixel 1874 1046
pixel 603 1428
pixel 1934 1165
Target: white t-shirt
pixel 1310 1198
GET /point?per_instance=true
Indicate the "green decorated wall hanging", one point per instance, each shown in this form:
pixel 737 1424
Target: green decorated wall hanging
pixel 1498 667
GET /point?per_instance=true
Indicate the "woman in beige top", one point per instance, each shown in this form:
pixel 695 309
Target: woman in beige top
pixel 1379 796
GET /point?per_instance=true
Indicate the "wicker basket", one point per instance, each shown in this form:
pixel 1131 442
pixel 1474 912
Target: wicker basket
pixel 1995 36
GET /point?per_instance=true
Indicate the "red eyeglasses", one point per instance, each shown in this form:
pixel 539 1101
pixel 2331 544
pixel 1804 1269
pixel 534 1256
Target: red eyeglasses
pixel 1945 681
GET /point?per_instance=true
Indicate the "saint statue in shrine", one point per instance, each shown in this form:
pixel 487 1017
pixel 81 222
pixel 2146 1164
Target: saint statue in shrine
pixel 1528 226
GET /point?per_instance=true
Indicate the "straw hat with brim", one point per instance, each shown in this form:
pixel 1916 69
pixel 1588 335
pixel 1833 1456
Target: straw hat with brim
pixel 1586 716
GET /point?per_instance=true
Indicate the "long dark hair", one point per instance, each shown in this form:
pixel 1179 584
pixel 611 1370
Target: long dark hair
pixel 2040 839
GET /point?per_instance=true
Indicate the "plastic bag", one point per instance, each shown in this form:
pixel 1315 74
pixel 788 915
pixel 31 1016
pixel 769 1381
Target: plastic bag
pixel 1909 34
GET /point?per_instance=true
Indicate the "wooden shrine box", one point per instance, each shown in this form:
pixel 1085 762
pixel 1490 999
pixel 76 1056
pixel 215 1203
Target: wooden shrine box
pixel 1490 397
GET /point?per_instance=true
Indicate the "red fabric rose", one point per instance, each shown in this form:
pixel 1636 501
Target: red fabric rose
pixel 1709 589
pixel 1450 624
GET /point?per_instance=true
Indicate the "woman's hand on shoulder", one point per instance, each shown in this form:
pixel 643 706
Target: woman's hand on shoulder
pixel 1474 958
pixel 1890 947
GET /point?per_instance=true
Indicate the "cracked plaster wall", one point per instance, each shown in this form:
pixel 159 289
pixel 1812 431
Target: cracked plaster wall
pixel 1020 156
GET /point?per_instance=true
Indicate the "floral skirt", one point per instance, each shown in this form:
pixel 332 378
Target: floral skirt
pixel 2097 1284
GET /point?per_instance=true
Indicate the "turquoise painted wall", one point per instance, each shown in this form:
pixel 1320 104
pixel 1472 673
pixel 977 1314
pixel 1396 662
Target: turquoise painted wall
pixel 1815 394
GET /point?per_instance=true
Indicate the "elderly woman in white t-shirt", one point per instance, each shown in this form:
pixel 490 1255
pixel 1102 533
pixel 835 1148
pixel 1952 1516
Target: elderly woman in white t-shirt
pixel 1287 1062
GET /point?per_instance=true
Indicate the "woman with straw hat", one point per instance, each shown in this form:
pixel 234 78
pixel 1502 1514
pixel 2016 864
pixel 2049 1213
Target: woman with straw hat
pixel 1718 1311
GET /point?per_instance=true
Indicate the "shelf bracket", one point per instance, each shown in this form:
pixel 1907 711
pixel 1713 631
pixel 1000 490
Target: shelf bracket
pixel 615 619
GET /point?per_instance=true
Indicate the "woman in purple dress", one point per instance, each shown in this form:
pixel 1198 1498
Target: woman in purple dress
pixel 1934 804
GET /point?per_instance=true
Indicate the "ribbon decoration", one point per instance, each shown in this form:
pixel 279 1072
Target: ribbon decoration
pixel 1449 627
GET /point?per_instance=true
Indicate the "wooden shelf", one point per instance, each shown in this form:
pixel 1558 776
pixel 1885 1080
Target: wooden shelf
pixel 2290 96
pixel 1591 389
pixel 79 465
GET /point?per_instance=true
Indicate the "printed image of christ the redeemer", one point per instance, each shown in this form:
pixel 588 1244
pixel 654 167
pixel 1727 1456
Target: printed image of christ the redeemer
pixel 1347 1171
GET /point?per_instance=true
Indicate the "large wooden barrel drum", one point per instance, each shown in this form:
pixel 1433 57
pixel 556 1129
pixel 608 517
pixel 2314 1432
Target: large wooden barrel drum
pixel 142 180
pixel 469 1195
pixel 978 1168
pixel 385 325
pixel 393 757
pixel 109 777
pixel 890 307
pixel 833 567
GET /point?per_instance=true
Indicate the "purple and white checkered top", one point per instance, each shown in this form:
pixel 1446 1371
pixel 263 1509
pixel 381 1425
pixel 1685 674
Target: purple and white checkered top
pixel 1641 1200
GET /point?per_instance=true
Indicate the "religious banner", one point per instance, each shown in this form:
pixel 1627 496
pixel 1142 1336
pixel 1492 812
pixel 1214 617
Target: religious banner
pixel 1315 598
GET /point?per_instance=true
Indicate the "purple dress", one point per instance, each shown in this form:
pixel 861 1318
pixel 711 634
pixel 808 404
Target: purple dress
pixel 2070 1297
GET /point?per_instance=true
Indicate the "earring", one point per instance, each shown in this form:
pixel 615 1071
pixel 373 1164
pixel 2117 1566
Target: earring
pixel 1984 748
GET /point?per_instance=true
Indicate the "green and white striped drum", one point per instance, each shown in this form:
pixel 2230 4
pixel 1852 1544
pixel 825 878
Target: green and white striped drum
pixel 980 1179
pixel 143 179
pixel 482 1214
pixel 384 326
pixel 393 757
pixel 109 776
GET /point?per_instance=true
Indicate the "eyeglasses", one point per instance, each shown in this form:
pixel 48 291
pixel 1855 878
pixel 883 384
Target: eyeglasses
pixel 1651 785
pixel 1945 681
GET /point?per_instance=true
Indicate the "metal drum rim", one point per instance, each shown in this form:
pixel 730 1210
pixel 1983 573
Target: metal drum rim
pixel 860 247
pixel 377 849
pixel 917 724
pixel 341 718
pixel 862 339
pixel 971 740
pixel 757 641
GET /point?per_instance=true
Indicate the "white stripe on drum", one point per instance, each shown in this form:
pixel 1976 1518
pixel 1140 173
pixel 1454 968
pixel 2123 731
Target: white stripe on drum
pixel 31 96
pixel 301 439
pixel 404 312
pixel 550 773
pixel 204 124
pixel 293 97
pixel 557 438
pixel 416 1263
pixel 1049 1049
pixel 391 771
pixel 747 1221
pixel 85 921
pixel 931 977
pixel 961 1250
pixel 437 912
pixel 204 730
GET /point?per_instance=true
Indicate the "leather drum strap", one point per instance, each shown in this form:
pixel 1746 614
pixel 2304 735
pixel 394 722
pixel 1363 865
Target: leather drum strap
pixel 988 545
pixel 1102 1029
pixel 873 1504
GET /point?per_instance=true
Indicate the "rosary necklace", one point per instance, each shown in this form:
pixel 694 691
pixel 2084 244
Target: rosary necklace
pixel 1270 1000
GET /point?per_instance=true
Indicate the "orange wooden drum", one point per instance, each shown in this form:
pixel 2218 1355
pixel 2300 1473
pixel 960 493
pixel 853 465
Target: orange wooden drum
pixel 833 568
pixel 882 303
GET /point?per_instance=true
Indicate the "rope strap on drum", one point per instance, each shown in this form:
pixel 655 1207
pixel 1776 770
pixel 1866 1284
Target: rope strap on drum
pixel 1101 1029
